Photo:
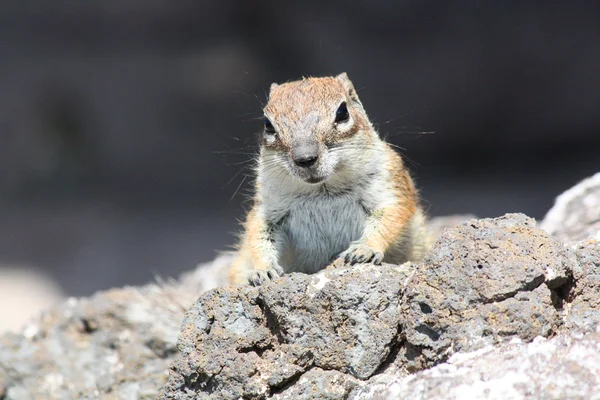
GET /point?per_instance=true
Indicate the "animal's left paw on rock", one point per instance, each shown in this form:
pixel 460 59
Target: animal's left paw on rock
pixel 360 253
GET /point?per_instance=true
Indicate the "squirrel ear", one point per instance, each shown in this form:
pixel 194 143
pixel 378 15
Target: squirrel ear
pixel 345 81
pixel 347 84
pixel 273 86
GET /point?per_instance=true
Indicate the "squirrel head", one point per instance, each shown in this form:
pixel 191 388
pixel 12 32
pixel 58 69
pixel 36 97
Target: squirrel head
pixel 309 123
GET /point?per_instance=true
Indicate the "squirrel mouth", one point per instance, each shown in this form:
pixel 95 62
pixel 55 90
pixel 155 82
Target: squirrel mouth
pixel 315 179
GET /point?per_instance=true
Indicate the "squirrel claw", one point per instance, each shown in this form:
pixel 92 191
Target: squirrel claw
pixel 360 253
pixel 261 277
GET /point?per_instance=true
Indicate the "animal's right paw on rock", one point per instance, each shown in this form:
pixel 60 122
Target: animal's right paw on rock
pixel 260 277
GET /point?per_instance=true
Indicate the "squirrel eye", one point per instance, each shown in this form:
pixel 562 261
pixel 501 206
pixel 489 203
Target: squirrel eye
pixel 341 114
pixel 269 128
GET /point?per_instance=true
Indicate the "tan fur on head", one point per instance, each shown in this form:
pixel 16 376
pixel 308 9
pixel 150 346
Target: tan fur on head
pixel 303 119
pixel 308 107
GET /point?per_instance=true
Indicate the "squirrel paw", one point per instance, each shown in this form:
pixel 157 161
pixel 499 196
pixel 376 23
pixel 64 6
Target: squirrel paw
pixel 260 277
pixel 360 253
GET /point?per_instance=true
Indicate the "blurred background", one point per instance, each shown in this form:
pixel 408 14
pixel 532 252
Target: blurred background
pixel 126 125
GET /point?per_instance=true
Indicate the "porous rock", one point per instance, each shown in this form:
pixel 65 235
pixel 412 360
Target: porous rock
pixel 114 345
pixel 486 282
pixel 582 295
pixel 254 342
pixel 482 284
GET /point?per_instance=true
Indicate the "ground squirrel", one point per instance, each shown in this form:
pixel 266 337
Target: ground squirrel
pixel 328 188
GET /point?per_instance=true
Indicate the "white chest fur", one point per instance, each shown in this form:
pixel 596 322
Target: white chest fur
pixel 318 228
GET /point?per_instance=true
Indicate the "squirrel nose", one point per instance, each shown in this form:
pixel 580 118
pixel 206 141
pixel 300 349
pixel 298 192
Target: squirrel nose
pixel 306 160
pixel 305 154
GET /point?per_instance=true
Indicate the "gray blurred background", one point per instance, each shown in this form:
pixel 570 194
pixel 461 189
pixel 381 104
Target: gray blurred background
pixel 125 125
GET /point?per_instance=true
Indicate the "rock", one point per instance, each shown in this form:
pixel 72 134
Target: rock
pixel 318 384
pixel 251 342
pixel 482 284
pixel 582 308
pixel 576 213
pixel 114 345
pixel 565 367
pixel 354 330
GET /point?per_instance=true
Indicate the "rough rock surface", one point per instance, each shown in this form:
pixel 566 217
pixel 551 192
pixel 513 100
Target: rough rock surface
pixel 564 367
pixel 250 342
pixel 483 284
pixel 342 332
pixel 114 345
pixel 582 306
pixel 576 213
